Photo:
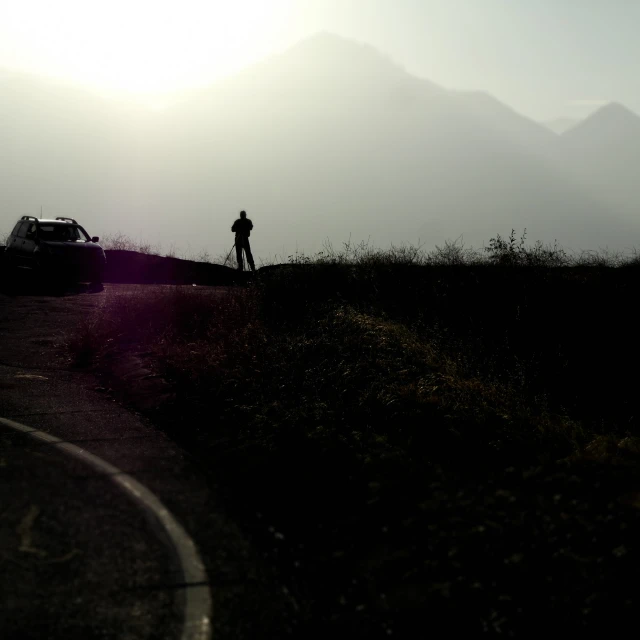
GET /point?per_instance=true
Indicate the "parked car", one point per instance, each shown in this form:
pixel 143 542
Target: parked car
pixel 57 249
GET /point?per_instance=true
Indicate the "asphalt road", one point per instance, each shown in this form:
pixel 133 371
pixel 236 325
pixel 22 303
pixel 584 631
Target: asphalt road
pixel 77 558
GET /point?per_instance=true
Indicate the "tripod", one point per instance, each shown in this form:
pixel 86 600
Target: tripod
pixel 233 246
pixel 229 255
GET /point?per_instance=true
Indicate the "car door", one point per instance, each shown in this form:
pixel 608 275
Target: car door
pixel 14 248
pixel 29 245
pixel 10 248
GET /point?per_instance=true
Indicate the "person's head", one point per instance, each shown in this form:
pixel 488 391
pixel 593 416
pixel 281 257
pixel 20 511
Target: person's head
pixel 243 214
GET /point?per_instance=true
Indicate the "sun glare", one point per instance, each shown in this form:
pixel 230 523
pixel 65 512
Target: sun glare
pixel 144 46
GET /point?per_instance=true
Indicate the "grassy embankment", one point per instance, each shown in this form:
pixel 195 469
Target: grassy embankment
pixel 415 441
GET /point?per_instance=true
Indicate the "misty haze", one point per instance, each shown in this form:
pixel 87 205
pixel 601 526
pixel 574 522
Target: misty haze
pixel 330 140
pixel 318 319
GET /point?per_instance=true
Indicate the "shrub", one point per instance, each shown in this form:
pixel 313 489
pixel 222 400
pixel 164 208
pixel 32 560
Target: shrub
pixel 122 242
pixel 513 252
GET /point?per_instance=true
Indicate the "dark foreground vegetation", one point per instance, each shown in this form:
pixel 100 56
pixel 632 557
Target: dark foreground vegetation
pixel 420 446
pixel 133 267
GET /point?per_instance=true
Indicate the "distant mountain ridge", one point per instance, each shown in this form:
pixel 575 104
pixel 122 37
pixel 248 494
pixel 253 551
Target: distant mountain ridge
pixel 611 123
pixel 330 139
pixel 603 154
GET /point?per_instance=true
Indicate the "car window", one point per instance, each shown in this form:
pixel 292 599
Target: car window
pixel 22 231
pixel 31 230
pixel 80 234
pixel 54 232
pixel 62 233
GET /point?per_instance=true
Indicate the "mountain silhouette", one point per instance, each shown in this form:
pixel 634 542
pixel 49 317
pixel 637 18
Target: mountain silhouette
pixel 331 139
pixel 608 126
pixel 603 153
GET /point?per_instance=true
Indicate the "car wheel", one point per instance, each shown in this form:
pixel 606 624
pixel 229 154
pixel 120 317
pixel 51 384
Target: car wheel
pixel 42 276
pixel 9 261
pixel 96 285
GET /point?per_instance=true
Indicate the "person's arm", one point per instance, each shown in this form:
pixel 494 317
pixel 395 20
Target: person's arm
pixel 233 228
pixel 250 225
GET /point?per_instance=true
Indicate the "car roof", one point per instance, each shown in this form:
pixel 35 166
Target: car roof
pixel 48 221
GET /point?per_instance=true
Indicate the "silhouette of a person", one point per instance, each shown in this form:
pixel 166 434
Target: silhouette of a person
pixel 242 228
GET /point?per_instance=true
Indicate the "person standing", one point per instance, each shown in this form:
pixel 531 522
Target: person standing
pixel 242 228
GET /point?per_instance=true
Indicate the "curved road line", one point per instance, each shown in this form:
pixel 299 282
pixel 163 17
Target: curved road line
pixel 197 598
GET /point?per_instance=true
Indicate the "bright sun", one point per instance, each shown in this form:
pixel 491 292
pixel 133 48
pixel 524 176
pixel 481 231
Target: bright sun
pixel 143 46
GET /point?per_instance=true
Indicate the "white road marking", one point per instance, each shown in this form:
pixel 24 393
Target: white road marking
pixel 197 598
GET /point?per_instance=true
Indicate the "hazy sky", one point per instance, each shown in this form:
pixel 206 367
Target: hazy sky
pixel 546 58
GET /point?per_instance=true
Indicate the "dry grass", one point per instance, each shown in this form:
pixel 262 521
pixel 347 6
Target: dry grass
pixel 413 430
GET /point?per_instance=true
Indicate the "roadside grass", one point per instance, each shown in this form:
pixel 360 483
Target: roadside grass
pixel 400 432
pixel 120 241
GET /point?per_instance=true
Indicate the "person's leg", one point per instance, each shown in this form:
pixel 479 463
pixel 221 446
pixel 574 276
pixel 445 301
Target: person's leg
pixel 247 251
pixel 239 253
